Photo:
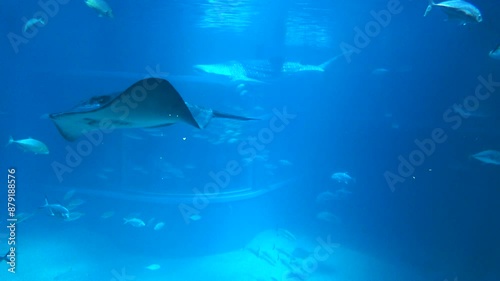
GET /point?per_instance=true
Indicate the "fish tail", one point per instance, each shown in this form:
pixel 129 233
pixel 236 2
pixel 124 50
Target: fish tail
pixel 45 204
pixel 11 140
pixel 429 7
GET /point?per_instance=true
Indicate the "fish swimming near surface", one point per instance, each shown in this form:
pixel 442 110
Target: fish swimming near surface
pixel 101 6
pixel 488 157
pixel 56 210
pixel 31 145
pixel 261 71
pixel 495 53
pixel 32 22
pixel 150 102
pixel 459 10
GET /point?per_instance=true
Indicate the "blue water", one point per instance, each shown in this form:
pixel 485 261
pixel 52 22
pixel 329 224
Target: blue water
pixel 359 116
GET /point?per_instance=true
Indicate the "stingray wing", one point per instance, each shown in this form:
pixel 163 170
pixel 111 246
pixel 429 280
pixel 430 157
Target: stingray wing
pixel 150 102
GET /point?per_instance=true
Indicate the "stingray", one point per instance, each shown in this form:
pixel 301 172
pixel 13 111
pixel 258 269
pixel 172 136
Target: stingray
pixel 148 103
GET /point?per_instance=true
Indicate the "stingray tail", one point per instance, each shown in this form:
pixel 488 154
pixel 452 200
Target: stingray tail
pixel 202 115
pixel 217 114
pixel 327 63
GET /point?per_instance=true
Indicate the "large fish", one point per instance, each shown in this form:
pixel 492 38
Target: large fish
pixel 261 71
pixel 459 10
pixel 150 102
pixel 56 210
pixel 30 144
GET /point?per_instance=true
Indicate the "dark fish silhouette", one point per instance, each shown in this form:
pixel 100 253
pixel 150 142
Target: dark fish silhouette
pixel 150 102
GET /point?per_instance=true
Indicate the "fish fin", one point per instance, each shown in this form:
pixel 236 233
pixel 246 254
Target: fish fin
pixel 11 140
pixel 5 256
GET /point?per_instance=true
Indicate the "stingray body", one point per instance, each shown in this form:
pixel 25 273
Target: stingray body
pixel 150 102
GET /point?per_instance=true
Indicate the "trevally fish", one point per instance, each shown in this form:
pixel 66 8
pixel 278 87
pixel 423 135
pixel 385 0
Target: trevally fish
pixel 101 6
pixel 488 157
pixel 495 53
pixel 56 210
pixel 261 71
pixel 459 10
pixel 150 102
pixel 34 21
pixel 159 226
pixel 31 145
pixel 342 177
pixel 135 222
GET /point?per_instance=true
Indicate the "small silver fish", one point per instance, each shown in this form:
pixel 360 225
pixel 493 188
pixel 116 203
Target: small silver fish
pixel 195 217
pixel 153 266
pixel 31 145
pixel 135 222
pixel 101 6
pixel 159 226
pixel 342 177
pixel 495 53
pixel 34 21
pixel 460 10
